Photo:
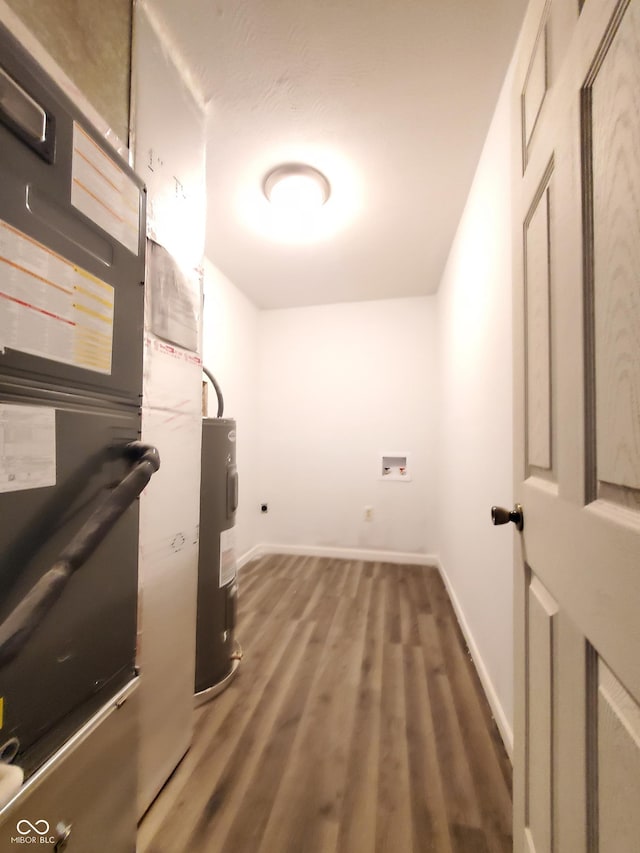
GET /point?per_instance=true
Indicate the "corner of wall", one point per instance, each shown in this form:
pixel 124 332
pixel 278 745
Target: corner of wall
pixel 475 417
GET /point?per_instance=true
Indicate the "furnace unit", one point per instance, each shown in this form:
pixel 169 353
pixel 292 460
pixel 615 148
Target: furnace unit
pixel 72 231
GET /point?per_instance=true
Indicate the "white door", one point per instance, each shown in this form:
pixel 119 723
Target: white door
pixel 577 360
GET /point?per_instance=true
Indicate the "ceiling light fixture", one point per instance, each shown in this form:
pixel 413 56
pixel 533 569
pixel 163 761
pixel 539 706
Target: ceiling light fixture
pixel 296 187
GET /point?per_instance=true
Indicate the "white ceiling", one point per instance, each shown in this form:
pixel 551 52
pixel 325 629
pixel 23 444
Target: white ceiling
pixel 391 99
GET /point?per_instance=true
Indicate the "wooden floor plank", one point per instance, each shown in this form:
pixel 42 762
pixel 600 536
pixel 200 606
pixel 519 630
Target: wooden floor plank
pixel 392 631
pixel 393 818
pixel 428 806
pixel 357 724
pixel 460 794
pixel 409 607
pixel 357 831
pixel 353 578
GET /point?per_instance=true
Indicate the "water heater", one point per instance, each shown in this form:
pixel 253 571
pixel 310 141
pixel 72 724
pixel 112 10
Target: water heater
pixel 217 588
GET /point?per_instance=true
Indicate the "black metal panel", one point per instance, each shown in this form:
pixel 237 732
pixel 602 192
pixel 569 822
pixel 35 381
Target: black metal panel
pixel 84 650
pixel 216 604
pixel 36 199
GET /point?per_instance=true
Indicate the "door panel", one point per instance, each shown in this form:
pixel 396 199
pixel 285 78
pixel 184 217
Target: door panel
pixel 538 330
pixel 576 246
pixel 542 612
pixel 614 132
pixel 535 87
pixel 618 764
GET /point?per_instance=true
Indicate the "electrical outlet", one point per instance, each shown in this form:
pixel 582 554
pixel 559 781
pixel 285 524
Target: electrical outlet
pixel 368 513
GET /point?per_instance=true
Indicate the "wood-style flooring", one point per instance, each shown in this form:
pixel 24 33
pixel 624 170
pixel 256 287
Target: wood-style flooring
pixel 356 724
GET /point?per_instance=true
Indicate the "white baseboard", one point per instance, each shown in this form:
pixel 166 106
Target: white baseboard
pixel 370 556
pixel 252 554
pixel 504 726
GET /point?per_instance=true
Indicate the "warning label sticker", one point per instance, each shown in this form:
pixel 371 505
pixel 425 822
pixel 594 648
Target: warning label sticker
pixel 27 447
pixel 227 556
pixel 103 191
pixel 52 308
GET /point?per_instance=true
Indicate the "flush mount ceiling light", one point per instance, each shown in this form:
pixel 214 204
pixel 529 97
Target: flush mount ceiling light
pixel 296 187
pixel 257 200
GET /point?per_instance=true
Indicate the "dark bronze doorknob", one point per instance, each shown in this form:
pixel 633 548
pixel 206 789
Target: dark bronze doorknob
pixel 500 515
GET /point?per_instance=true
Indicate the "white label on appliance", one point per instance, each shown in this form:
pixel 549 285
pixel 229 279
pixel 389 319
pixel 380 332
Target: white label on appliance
pixel 27 447
pixel 227 556
pixel 103 191
pixel 175 297
pixel 52 308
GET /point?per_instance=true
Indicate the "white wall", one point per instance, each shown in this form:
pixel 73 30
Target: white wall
pixel 475 447
pixel 337 385
pixel 230 351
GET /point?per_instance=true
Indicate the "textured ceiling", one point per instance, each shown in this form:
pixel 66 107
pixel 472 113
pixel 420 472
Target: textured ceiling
pixel 391 99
